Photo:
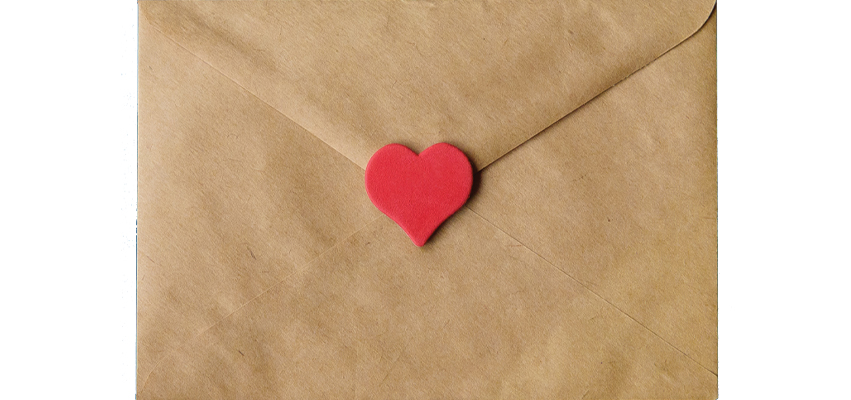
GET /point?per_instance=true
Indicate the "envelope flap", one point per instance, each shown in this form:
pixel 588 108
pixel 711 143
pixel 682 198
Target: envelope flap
pixel 484 76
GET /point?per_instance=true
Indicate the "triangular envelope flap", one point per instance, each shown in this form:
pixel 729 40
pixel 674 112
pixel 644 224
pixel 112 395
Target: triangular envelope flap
pixel 484 76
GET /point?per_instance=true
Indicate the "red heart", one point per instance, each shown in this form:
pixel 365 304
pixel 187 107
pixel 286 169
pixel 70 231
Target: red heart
pixel 419 192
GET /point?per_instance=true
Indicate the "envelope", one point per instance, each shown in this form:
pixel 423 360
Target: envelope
pixel 582 267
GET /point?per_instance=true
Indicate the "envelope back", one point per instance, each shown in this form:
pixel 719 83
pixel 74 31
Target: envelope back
pixel 583 266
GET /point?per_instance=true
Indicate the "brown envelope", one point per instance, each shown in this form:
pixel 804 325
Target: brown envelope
pixel 584 265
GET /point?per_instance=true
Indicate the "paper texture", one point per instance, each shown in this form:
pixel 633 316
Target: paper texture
pixel 584 265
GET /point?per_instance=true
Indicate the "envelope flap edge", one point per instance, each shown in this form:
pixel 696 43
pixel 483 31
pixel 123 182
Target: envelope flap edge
pixel 483 76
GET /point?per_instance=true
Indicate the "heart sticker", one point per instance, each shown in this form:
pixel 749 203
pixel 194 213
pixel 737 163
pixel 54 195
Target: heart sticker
pixel 419 192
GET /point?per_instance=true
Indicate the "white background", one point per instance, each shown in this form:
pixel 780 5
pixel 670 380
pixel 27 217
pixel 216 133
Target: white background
pixel 68 190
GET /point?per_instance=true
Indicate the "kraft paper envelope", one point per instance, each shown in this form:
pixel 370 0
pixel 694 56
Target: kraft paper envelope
pixel 583 266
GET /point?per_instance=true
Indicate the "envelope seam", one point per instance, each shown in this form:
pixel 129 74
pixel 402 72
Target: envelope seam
pixel 305 268
pixel 157 29
pixel 600 94
pixel 487 163
pixel 592 292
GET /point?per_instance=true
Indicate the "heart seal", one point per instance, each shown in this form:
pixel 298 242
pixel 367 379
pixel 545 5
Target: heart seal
pixel 419 192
